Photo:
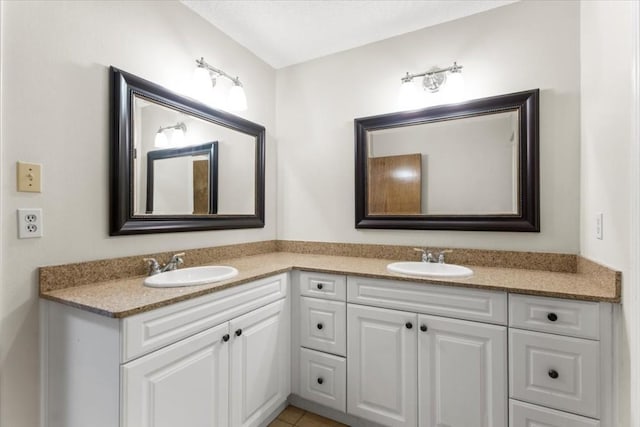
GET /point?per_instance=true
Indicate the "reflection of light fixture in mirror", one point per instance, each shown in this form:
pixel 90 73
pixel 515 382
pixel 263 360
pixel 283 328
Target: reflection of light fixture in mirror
pixel 205 80
pixel 177 136
pixel 432 80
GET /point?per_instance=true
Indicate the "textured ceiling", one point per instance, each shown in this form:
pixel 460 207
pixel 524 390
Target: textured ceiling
pixel 286 32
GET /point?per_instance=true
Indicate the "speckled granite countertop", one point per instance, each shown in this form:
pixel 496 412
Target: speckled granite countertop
pixel 125 297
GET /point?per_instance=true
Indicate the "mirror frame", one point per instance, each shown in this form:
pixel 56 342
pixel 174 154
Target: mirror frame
pixel 209 149
pixel 528 216
pixel 124 87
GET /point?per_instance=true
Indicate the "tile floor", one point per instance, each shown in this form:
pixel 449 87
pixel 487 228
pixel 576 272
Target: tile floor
pixel 293 416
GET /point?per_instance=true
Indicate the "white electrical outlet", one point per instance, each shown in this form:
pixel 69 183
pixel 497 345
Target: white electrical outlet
pixel 29 223
pixel 599 225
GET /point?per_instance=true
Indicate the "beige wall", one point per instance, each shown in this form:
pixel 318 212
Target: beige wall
pixel 607 61
pixel 55 111
pixel 517 47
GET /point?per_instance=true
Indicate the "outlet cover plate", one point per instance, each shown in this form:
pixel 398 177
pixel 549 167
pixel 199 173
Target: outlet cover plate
pixel 29 223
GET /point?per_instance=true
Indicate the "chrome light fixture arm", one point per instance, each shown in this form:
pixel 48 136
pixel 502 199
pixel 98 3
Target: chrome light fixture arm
pixel 434 78
pixel 216 72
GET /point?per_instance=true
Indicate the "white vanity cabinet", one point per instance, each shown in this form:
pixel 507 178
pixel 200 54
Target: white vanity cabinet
pixel 217 360
pixel 405 368
pixel 560 362
pixel 321 339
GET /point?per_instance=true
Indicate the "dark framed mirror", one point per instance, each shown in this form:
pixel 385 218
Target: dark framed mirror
pixel 182 181
pixel 149 123
pixel 467 166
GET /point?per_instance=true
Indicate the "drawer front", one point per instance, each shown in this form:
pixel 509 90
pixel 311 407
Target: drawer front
pixel 460 303
pixel 321 285
pixel 323 325
pixel 558 316
pixel 323 379
pixel 155 329
pixel 555 371
pixel 527 415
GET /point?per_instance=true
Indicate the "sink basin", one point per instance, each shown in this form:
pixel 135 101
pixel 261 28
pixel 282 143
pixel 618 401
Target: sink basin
pixel 191 276
pixel 429 269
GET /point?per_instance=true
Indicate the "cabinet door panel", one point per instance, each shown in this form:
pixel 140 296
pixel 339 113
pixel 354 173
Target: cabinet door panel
pixel 259 363
pixel 183 384
pixel 462 369
pixel 382 365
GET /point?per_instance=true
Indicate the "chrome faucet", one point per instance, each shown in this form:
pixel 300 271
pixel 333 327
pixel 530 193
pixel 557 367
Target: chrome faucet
pixel 156 268
pixel 427 256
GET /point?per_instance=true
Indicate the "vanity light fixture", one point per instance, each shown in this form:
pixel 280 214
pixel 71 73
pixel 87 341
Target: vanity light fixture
pixel 432 81
pixel 177 136
pixel 205 78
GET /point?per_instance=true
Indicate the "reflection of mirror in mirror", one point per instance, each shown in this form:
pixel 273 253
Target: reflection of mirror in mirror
pixel 174 178
pixel 183 181
pixel 464 166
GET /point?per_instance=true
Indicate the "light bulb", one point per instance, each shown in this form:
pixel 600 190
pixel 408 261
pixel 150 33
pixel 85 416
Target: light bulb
pixel 237 98
pixel 202 86
pixel 409 95
pixel 178 138
pixel 455 87
pixel 161 140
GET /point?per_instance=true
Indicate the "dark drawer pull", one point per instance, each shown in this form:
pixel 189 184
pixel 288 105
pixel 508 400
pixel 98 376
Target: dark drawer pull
pixel 409 325
pixel 552 317
pixel 319 326
pixel 225 337
pixel 553 373
pixel 319 286
pixel 423 328
pixel 320 380
pixel 239 332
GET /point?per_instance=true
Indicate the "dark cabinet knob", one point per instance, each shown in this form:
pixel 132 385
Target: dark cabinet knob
pixel 423 328
pixel 552 317
pixel 553 373
pixel 225 338
pixel 239 332
pixel 319 286
pixel 319 326
pixel 409 325
pixel 320 380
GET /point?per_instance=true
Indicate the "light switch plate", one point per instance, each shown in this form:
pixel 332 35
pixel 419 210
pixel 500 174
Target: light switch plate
pixel 599 225
pixel 29 177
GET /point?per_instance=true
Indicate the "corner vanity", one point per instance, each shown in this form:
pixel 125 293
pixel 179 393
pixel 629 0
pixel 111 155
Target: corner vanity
pixel 337 335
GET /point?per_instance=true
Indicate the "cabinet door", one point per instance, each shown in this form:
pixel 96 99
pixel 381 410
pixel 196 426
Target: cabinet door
pixel 382 365
pixel 184 384
pixel 259 366
pixel 462 373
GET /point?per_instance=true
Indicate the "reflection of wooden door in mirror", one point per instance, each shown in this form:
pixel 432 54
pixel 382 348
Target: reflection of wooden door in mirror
pixel 200 187
pixel 395 185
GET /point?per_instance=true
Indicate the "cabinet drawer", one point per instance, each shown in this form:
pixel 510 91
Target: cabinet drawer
pixel 323 325
pixel 555 371
pixel 558 316
pixel 323 379
pixel 155 329
pixel 526 415
pixel 321 285
pixel 461 303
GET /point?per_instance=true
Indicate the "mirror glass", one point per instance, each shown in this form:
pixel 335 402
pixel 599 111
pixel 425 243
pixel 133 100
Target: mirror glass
pixel 176 172
pixel 180 165
pixel 466 166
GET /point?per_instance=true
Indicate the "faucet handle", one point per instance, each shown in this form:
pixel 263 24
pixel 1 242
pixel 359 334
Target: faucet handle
pixel 154 267
pixel 441 255
pixel 424 251
pixel 177 258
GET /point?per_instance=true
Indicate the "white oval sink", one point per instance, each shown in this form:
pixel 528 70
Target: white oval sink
pixel 191 276
pixel 429 269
